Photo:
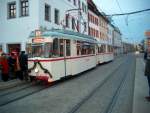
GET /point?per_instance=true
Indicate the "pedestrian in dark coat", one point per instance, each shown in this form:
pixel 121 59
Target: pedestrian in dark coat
pixel 11 62
pixel 147 71
pixel 24 64
pixel 5 67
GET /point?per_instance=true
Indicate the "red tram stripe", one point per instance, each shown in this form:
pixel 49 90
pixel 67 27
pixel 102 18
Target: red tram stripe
pixel 58 59
pixel 67 58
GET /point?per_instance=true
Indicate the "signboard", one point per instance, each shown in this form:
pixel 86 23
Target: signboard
pixel 41 40
pixel 37 40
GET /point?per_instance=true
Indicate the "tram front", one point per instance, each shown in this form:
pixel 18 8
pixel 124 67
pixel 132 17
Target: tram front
pixel 39 51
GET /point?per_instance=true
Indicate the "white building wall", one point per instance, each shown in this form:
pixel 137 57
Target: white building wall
pixel 62 6
pixel 17 30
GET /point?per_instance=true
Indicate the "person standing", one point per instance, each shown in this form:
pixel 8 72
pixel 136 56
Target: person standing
pixel 24 64
pixel 17 67
pixel 147 70
pixel 11 62
pixel 5 67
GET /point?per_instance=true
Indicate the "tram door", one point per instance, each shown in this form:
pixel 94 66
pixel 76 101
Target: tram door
pixel 67 54
pixel 61 48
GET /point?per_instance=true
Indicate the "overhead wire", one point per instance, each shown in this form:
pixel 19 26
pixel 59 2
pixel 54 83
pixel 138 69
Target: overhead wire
pixel 130 13
pixel 126 19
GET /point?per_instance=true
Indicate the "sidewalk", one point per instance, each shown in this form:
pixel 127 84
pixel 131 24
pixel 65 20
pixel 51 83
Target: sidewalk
pixel 140 104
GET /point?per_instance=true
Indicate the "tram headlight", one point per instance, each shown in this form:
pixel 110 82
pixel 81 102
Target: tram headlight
pixel 36 70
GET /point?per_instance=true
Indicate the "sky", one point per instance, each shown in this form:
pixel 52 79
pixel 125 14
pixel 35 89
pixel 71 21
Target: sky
pixel 132 27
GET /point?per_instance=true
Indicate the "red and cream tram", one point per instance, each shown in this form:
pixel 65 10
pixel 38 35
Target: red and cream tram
pixel 54 54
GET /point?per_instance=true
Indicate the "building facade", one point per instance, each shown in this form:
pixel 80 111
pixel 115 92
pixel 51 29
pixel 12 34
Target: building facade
pixel 110 33
pixel 103 28
pixel 19 17
pixel 117 41
pixel 93 18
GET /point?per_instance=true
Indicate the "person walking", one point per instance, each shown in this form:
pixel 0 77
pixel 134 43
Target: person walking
pixel 5 67
pixel 147 70
pixel 24 64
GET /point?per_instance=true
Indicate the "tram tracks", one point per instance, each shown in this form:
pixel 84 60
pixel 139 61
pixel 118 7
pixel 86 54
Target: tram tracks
pixel 15 89
pixel 110 105
pixel 116 95
pixel 21 92
pixel 12 96
pixel 40 88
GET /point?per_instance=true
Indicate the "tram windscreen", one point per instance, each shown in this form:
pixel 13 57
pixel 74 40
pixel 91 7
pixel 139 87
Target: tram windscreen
pixel 39 50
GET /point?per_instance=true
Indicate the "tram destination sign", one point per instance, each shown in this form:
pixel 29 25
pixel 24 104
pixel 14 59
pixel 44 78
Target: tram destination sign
pixel 41 40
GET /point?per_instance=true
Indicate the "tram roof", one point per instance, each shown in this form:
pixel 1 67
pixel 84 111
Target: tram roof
pixel 65 34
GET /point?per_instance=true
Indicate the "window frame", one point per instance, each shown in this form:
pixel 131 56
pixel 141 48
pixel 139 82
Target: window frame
pixel 13 10
pixel 56 20
pixel 26 7
pixel 47 13
pixel 73 23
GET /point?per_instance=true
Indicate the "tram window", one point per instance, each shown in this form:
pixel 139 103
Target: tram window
pixel 78 48
pixel 109 48
pixel 55 51
pixel 83 50
pixel 92 49
pixel 104 48
pixel 61 48
pixel 29 50
pixel 47 50
pixel 67 47
pixel 100 49
pixel 37 50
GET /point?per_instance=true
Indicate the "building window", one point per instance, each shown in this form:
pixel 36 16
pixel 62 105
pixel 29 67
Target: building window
pixel 12 10
pixel 74 1
pixel 56 16
pixel 85 27
pixel 78 26
pixel 82 6
pixel 67 20
pixel 79 3
pixel 73 23
pixel 47 12
pixel 24 7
